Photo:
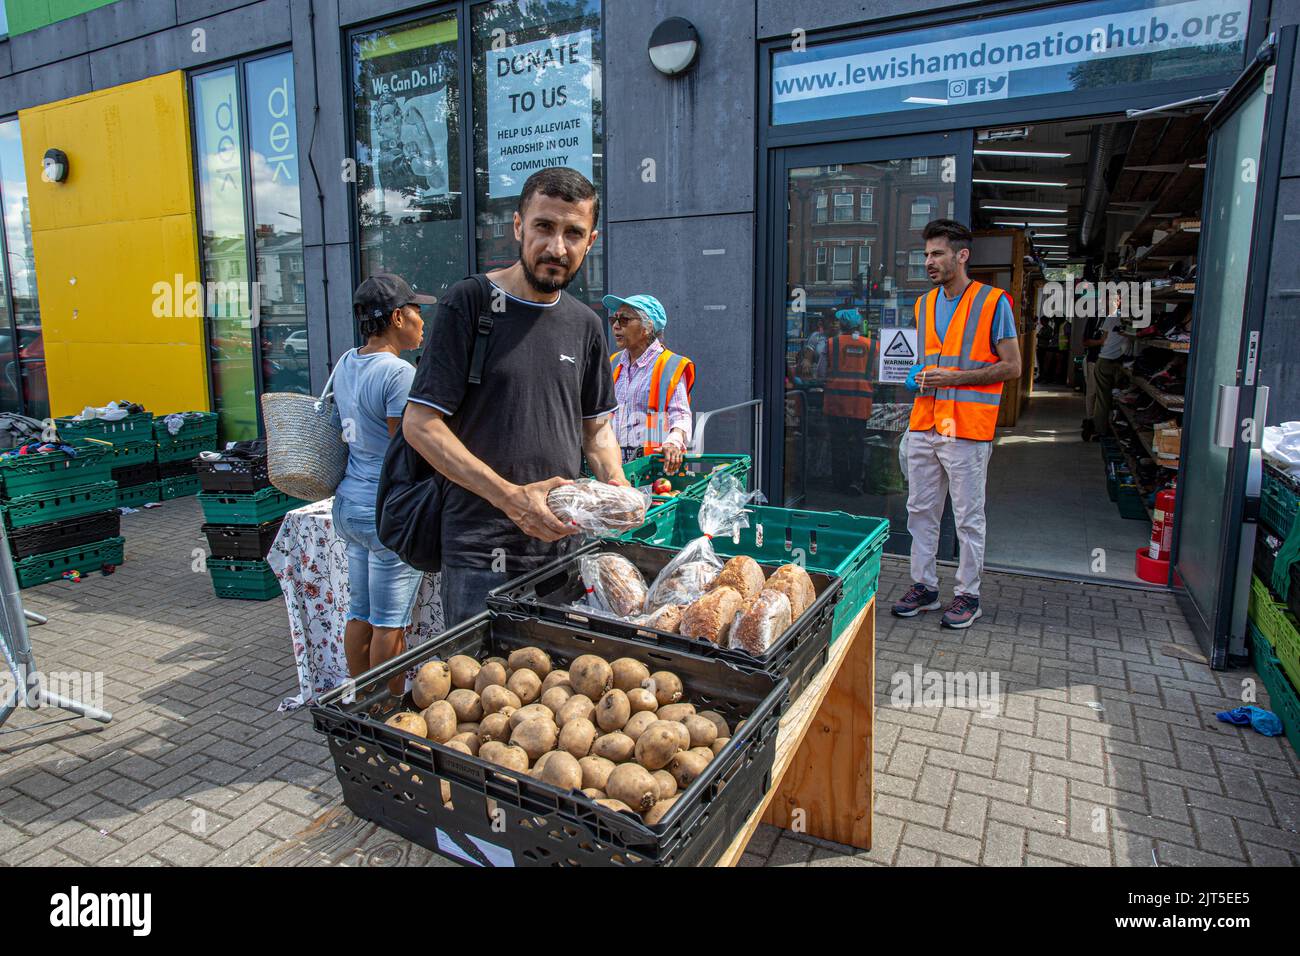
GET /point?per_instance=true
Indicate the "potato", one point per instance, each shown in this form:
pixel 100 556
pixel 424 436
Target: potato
pixel 705 752
pixel 467 727
pixel 432 682
pixel 540 762
pixel 617 805
pixel 616 747
pixel 494 727
pixel 488 675
pixel 593 793
pixel 656 812
pixel 525 685
pixel 464 671
pixel 467 704
pixel 469 741
pixel 440 721
pixel 633 784
pixel 496 696
pixel 590 676
pixel 678 712
pixel 460 746
pixel 719 744
pixel 657 745
pixel 613 711
pixel 628 673
pixel 535 737
pixel 562 770
pixel 638 722
pixel 702 730
pixel 505 755
pixel 579 705
pixel 531 658
pixel 595 771
pixel 531 712
pixel 665 783
pixel 577 736
pixel 641 699
pixel 555 698
pixel 685 767
pixel 665 685
pixel 409 721
pixel 557 678
pixel 683 735
pixel 718 721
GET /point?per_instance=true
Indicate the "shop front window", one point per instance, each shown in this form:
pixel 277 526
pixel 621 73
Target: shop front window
pixel 22 349
pixel 537 104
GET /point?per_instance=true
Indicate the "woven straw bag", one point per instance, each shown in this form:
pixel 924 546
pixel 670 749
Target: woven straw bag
pixel 305 451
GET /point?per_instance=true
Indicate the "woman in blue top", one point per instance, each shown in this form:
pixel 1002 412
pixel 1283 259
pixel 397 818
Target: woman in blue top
pixel 370 388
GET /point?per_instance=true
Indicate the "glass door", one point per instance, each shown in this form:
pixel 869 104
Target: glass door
pixel 854 265
pixel 1237 217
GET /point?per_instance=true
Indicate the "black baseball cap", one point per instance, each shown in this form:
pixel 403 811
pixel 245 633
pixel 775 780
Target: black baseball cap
pixel 383 293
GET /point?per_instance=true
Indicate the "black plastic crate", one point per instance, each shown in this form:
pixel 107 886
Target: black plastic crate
pixel 175 469
pixel 232 474
pixel 395 779
pixel 247 542
pixel 69 533
pixel 550 591
pixel 140 474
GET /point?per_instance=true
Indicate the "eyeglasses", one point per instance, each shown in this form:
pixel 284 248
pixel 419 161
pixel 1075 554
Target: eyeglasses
pixel 622 319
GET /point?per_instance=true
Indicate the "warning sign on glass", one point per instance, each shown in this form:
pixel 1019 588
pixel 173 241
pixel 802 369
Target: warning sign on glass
pixel 897 355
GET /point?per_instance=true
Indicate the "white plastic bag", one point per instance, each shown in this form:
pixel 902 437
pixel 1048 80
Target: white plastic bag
pixel 614 584
pixel 1282 446
pixel 599 508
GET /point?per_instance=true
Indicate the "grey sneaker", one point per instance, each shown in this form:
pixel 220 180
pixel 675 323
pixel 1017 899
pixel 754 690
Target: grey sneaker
pixel 917 599
pixel 962 612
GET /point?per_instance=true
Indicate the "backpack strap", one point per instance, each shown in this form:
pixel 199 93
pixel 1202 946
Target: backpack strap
pixel 483 330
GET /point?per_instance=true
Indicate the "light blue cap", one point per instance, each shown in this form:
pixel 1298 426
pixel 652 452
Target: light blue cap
pixel 647 305
pixel 848 317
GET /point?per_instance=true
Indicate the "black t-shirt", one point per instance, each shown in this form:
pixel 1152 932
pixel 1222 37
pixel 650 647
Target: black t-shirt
pixel 546 370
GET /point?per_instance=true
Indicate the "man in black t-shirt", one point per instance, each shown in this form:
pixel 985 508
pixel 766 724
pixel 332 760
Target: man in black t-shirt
pixel 544 401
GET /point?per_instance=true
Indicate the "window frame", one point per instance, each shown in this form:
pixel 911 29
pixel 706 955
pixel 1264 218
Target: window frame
pixel 19 391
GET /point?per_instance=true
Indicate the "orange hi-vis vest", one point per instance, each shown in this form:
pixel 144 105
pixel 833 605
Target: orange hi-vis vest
pixel 848 377
pixel 965 411
pixel 668 371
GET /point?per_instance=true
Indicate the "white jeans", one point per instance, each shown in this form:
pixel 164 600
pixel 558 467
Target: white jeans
pixel 937 467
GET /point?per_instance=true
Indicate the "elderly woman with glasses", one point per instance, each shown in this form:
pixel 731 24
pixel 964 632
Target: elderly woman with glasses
pixel 652 384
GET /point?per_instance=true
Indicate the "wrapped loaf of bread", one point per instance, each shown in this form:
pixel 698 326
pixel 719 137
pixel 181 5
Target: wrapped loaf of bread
pixel 597 507
pixel 710 617
pixel 763 624
pixel 742 574
pixel 794 582
pixel 667 618
pixel 682 584
pixel 615 583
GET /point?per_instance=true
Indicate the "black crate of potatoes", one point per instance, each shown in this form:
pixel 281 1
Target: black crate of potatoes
pixel 68 533
pixel 249 542
pixel 465 808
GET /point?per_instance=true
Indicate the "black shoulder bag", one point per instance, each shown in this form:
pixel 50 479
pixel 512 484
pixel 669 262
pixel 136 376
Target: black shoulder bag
pixel 408 506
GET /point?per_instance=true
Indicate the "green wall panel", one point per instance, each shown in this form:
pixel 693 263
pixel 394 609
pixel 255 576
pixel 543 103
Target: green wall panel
pixel 25 15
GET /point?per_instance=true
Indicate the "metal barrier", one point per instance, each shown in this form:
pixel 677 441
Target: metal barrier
pixel 732 429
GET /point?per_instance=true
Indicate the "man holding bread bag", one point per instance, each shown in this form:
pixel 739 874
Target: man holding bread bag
pixel 544 399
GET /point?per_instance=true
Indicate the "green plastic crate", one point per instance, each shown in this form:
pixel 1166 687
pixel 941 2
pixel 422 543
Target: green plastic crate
pixel 244 580
pixel 693 480
pixel 135 453
pixel 133 496
pixel 133 428
pixel 828 541
pixel 194 427
pixel 72 502
pixel 1277 502
pixel 183 449
pixel 1283 699
pixel 256 507
pixel 182 486
pixel 1278 626
pixel 28 474
pixel 40 568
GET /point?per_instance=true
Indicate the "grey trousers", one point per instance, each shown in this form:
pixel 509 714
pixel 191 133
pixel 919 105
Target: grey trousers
pixel 936 468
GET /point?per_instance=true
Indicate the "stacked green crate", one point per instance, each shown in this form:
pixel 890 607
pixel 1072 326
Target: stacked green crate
pixel 196 433
pixel 245 579
pixel 58 510
pixel 133 456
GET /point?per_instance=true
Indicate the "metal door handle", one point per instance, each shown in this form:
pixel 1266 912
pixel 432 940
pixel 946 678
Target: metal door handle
pixel 1225 416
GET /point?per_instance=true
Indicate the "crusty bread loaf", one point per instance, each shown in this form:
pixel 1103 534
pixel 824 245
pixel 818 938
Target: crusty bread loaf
pixel 744 575
pixel 667 618
pixel 617 583
pixel 686 583
pixel 597 507
pixel 794 582
pixel 763 624
pixel 711 616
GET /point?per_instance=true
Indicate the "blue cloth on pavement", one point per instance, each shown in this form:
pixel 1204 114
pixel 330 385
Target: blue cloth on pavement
pixel 1264 721
pixel 911 378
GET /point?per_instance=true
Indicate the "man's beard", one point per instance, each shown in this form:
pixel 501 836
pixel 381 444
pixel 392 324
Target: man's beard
pixel 546 285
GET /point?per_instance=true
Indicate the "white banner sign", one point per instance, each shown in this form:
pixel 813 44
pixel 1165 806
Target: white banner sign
pixel 897 354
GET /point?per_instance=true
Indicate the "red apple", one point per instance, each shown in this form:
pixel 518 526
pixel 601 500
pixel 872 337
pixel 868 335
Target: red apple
pixel 661 486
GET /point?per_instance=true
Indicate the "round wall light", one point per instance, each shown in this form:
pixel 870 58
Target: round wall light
pixel 54 166
pixel 674 46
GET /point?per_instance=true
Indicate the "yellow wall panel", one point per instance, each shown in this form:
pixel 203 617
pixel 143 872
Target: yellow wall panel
pixel 123 222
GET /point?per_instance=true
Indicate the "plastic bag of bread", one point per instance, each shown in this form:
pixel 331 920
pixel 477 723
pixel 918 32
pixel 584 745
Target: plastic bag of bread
pixel 596 507
pixel 667 618
pixel 743 574
pixel 712 616
pixel 794 582
pixel 762 625
pixel 613 584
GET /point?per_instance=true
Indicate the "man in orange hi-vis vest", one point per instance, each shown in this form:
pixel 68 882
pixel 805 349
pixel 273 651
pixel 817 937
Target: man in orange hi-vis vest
pixel 966 334
pixel 846 400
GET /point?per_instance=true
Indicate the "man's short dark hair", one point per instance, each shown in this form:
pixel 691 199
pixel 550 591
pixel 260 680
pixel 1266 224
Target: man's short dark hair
pixel 958 236
pixel 561 182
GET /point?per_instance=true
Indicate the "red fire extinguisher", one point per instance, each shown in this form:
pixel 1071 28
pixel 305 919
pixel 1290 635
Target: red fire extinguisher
pixel 1162 525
